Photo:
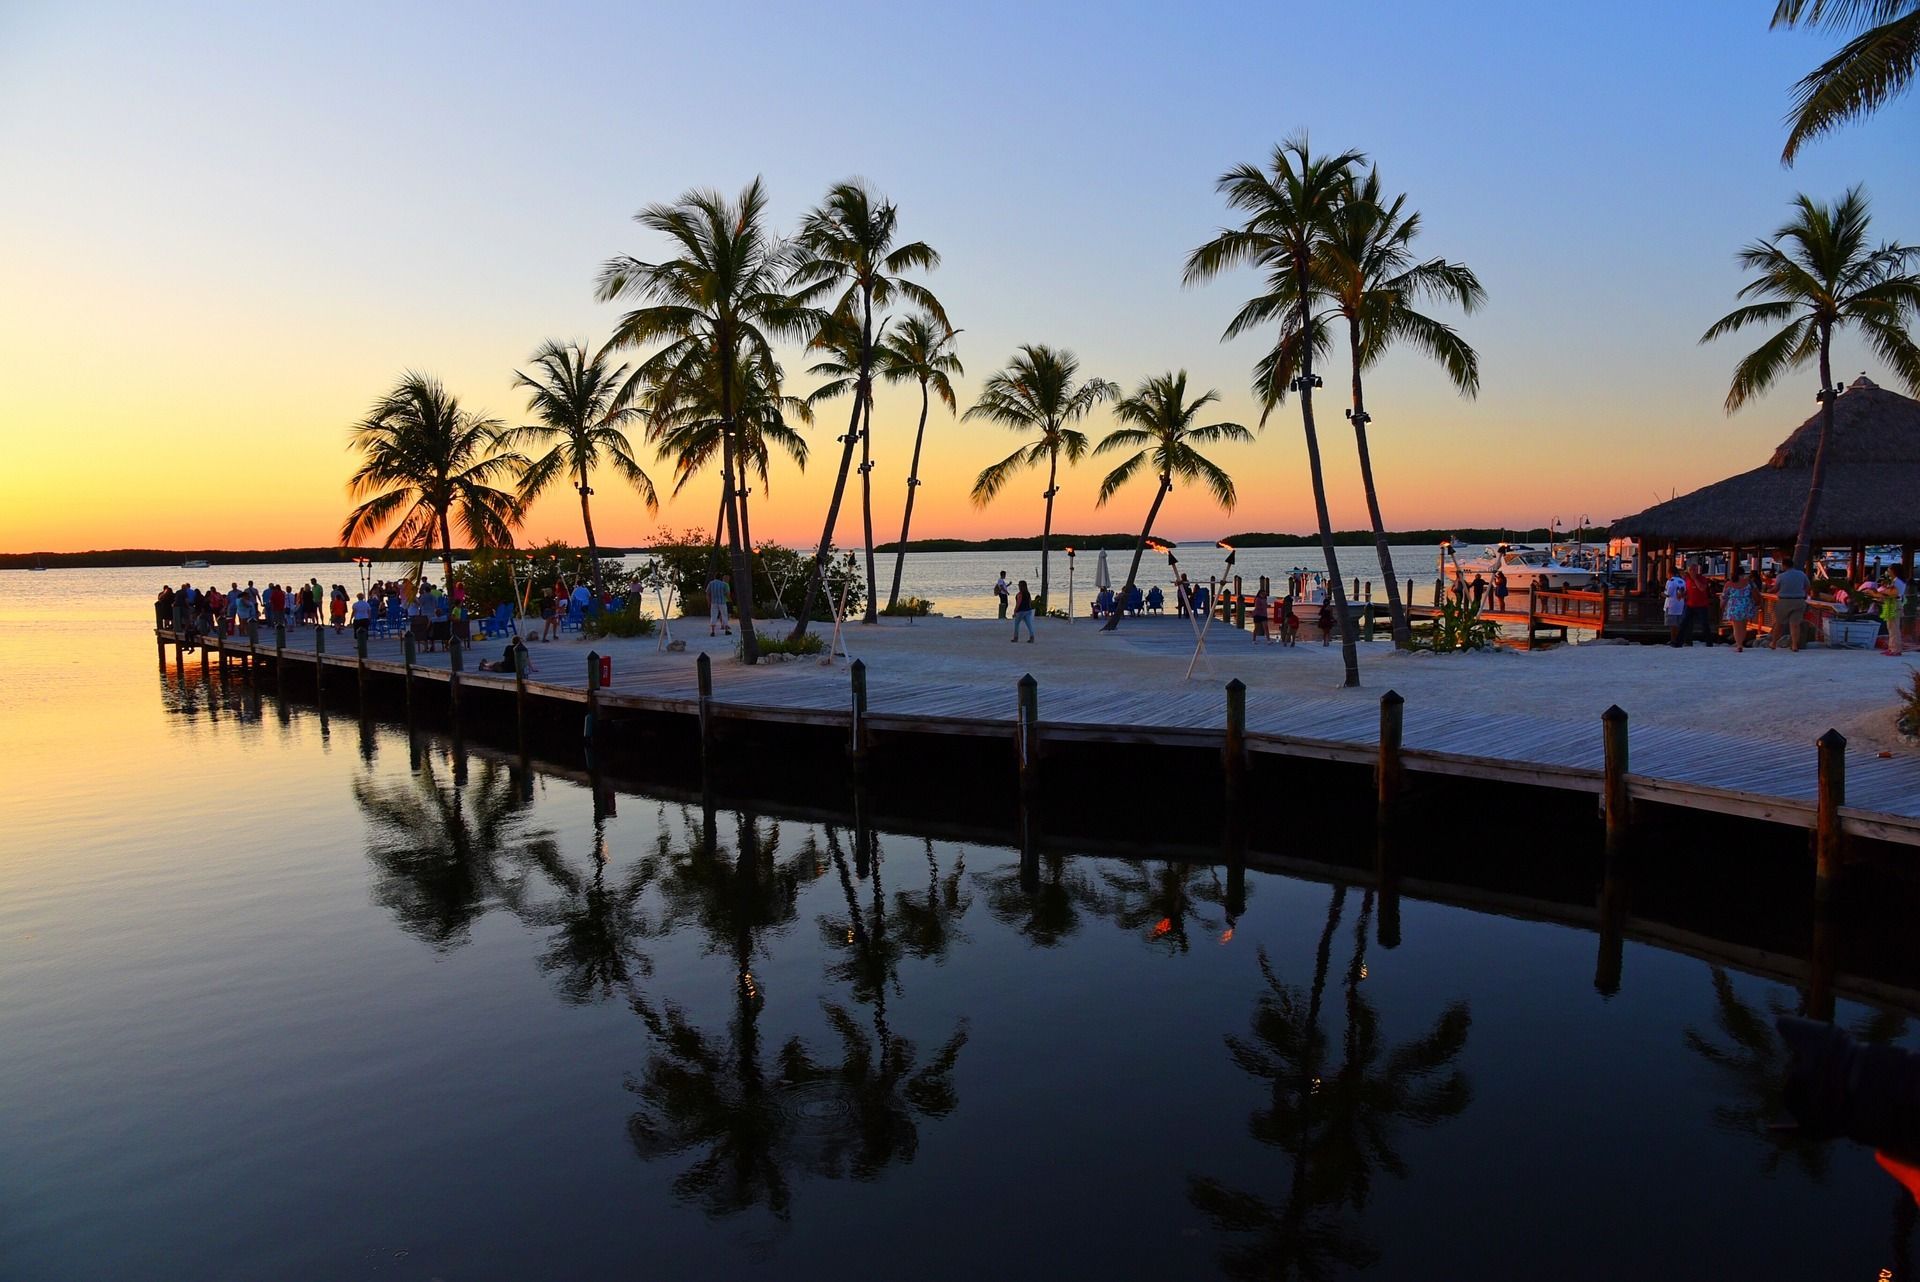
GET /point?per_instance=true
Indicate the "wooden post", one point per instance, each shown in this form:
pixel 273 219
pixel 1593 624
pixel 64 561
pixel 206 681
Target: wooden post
pixel 160 639
pixel 857 745
pixel 1614 805
pixel 593 696
pixel 1439 586
pixel 520 692
pixel 220 643
pixel 1533 611
pixel 1026 733
pixel 703 666
pixel 407 653
pixel 1390 772
pixel 204 660
pixel 1234 758
pixel 1605 598
pixel 1833 795
pixel 1367 610
pixel 360 662
pixel 1612 916
pixel 1239 605
pixel 455 665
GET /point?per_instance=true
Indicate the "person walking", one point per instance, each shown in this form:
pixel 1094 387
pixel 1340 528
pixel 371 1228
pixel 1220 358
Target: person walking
pixel 1260 604
pixel 1676 608
pixel 1739 605
pixel 718 591
pixel 1002 592
pixel 1698 595
pixel 1022 612
pixel 1789 607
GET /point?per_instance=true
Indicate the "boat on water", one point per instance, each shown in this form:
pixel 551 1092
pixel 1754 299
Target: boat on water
pixel 37 568
pixel 194 565
pixel 1524 567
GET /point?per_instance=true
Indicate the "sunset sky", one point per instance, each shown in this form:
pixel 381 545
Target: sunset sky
pixel 225 229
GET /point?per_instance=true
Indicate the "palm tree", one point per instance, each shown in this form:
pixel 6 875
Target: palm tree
pixel 724 291
pixel 921 349
pixel 684 417
pixel 1374 283
pixel 425 456
pixel 1288 217
pixel 1041 391
pixel 838 343
pixel 1870 70
pixel 584 404
pixel 1161 432
pixel 1816 275
pixel 846 244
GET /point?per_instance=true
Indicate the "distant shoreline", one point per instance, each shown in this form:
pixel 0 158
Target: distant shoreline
pixel 175 558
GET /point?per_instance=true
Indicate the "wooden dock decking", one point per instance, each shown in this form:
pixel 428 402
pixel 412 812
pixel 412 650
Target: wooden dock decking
pixel 1695 767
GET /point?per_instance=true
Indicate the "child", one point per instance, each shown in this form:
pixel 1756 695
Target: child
pixel 1289 621
pixel 1326 623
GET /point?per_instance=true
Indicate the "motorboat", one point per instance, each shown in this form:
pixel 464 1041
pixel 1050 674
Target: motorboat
pixel 195 565
pixel 1524 567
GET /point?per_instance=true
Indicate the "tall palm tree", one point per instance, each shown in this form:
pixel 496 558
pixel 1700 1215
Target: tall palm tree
pixel 919 349
pixel 1041 391
pixel 723 289
pixel 584 405
pixel 1288 208
pixel 1161 432
pixel 684 413
pixel 1870 70
pixel 847 245
pixel 838 344
pixel 424 456
pixel 1376 285
pixel 1816 275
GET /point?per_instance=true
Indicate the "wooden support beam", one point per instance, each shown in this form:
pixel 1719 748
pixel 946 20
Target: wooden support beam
pixel 1827 834
pixel 1234 751
pixel 703 668
pixel 1615 806
pixel 1390 770
pixel 1026 734
pixel 408 654
pixel 456 663
pixel 857 727
pixel 1533 613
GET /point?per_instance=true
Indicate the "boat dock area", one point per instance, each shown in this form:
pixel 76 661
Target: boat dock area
pixel 1702 729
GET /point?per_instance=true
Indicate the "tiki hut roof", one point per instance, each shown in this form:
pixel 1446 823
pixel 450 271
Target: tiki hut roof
pixel 1871 495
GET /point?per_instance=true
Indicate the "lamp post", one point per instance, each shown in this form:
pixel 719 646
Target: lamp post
pixel 1069 583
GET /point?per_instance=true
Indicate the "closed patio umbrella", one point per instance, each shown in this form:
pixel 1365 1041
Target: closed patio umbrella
pixel 1101 578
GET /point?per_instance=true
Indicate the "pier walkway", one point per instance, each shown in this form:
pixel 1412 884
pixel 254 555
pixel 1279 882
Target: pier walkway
pixel 1709 730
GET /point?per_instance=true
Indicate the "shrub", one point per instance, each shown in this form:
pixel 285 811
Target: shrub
pixel 912 608
pixel 808 643
pixel 629 621
pixel 684 562
pixel 1458 626
pixel 1909 714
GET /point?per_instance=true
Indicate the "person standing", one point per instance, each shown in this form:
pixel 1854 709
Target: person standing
pixel 718 591
pixel 1325 620
pixel 1002 591
pixel 1260 605
pixel 1789 606
pixel 1739 605
pixel 1022 612
pixel 1500 591
pixel 1479 590
pixel 1893 596
pixel 1676 609
pixel 362 616
pixel 1699 606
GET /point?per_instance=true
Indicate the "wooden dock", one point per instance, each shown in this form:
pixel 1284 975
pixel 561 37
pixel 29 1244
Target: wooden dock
pixel 1693 767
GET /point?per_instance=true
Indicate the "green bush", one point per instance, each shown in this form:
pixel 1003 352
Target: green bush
pixel 492 575
pixel 1458 626
pixel 629 621
pixel 685 561
pixel 808 643
pixel 912 608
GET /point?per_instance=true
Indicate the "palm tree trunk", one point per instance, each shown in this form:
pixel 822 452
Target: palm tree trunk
pixel 719 534
pixel 1348 652
pixel 1803 541
pixel 1396 612
pixel 1140 550
pixel 866 512
pixel 913 484
pixel 593 548
pixel 746 528
pixel 742 580
pixel 1046 529
pixel 818 578
pixel 446 548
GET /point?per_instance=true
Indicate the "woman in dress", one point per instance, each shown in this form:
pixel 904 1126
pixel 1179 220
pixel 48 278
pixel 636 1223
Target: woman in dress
pixel 1739 606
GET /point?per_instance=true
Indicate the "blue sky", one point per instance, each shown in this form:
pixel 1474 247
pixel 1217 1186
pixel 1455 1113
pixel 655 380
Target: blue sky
pixel 241 221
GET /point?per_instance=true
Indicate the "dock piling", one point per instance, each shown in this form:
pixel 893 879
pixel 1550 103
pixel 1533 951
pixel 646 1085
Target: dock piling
pixel 520 694
pixel 1026 734
pixel 1615 806
pixel 455 665
pixel 592 727
pixel 703 667
pixel 1234 753
pixel 1390 772
pixel 1827 836
pixel 1239 605
pixel 360 662
pixel 1366 613
pixel 320 665
pixel 407 655
pixel 857 748
pixel 1533 612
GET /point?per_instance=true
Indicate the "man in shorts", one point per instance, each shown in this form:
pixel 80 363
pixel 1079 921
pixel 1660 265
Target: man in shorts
pixel 1790 609
pixel 717 593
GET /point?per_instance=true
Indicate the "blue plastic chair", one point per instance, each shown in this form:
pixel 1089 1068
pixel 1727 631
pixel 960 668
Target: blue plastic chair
pixel 575 618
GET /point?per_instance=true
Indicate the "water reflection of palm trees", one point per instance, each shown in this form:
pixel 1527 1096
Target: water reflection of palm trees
pixel 1165 902
pixel 1043 906
pixel 1336 1122
pixel 445 852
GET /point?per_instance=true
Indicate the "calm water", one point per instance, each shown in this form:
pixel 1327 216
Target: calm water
pixel 294 997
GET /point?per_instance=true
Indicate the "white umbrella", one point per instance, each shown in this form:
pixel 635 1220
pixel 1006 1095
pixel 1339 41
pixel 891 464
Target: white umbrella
pixel 1102 579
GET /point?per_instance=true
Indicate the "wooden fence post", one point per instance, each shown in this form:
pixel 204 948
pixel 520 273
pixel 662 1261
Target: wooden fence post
pixel 703 667
pixel 360 661
pixel 1605 600
pixel 593 696
pixel 520 691
pixel 319 664
pixel 1239 605
pixel 407 653
pixel 1833 795
pixel 1390 772
pixel 1614 805
pixel 1439 586
pixel 1026 734
pixel 1367 608
pixel 455 665
pixel 1235 751
pixel 1533 611
pixel 857 745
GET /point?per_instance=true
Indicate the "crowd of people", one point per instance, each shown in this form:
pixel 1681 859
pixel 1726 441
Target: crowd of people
pixel 1692 600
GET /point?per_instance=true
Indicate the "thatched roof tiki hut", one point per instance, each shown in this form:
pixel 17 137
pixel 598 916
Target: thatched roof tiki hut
pixel 1871 495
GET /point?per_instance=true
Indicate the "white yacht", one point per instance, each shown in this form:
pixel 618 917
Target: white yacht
pixel 1524 566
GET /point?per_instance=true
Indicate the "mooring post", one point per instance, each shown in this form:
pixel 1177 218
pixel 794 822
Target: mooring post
pixel 204 660
pixel 220 643
pixel 360 662
pixel 160 639
pixel 520 692
pixel 1026 734
pixel 407 653
pixel 1367 609
pixel 1533 612
pixel 593 698
pixel 455 664
pixel 1234 755
pixel 1390 772
pixel 857 747
pixel 1605 597
pixel 1613 923
pixel 1615 807
pixel 319 665
pixel 1820 963
pixel 1833 795
pixel 1239 605
pixel 703 667
pixel 1439 586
